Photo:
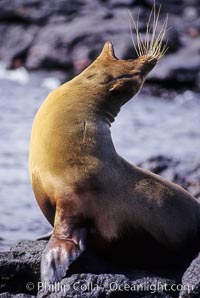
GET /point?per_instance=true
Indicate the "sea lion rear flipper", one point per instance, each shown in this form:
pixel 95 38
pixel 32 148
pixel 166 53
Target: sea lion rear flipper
pixel 59 253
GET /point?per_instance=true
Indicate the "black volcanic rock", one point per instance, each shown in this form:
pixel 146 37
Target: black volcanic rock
pixel 20 273
pixel 20 265
pixel 89 276
pixel 13 48
pixel 36 11
pixel 191 280
pixel 187 175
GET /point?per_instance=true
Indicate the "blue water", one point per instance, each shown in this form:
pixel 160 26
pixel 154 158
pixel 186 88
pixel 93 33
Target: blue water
pixel 146 126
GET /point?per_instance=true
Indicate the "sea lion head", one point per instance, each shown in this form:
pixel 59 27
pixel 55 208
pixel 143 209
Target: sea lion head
pixel 123 78
pixel 114 81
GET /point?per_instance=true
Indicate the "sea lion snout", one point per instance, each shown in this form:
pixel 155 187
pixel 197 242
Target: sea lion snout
pixel 121 69
pixel 146 64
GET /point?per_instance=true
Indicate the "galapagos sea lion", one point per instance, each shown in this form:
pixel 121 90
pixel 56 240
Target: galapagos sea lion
pixel 82 184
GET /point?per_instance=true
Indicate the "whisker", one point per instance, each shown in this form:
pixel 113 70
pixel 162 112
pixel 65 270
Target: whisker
pixel 138 34
pixel 162 31
pixel 148 29
pixel 155 23
pixel 131 31
pixel 151 45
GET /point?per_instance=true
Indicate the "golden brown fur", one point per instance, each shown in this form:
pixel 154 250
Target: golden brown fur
pixel 79 179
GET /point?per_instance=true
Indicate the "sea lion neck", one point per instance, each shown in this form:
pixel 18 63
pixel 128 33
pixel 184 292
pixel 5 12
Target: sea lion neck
pixel 108 112
pixel 88 101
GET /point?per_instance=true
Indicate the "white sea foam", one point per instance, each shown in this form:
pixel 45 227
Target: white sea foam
pixel 19 75
pixel 185 97
pixel 50 83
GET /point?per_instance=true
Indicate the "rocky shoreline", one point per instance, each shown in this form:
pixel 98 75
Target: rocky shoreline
pixel 20 277
pixel 68 35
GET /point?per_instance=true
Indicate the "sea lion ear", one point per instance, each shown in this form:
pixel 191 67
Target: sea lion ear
pixel 108 51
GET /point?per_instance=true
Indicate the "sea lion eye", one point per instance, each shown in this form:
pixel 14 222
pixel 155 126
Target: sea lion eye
pixel 137 73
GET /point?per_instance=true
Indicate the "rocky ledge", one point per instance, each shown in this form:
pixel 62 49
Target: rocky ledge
pixel 20 277
pixel 68 35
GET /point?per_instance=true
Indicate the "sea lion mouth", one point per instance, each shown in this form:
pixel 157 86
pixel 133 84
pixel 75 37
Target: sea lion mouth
pixel 150 47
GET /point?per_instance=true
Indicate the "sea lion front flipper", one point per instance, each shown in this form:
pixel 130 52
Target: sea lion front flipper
pixel 60 252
